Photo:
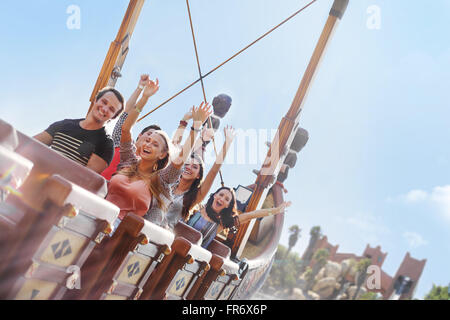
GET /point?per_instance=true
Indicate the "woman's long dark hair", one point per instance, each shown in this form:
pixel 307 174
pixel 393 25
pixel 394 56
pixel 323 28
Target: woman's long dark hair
pixel 190 196
pixel 227 217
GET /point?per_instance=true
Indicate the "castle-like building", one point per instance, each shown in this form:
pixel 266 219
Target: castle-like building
pixel 399 287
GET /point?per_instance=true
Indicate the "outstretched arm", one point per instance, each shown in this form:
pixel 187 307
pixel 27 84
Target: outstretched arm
pixel 207 183
pixel 178 136
pixel 247 216
pixel 150 89
pixel 131 102
pixel 205 136
pixel 199 115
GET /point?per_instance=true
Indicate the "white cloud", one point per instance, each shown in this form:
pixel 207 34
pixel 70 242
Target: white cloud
pixel 438 198
pixel 416 196
pixel 414 239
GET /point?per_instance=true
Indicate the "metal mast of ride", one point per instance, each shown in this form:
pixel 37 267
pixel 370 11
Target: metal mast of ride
pixel 286 130
pixel 118 49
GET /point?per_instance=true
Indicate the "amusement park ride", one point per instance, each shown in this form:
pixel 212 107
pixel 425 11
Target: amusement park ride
pixel 55 224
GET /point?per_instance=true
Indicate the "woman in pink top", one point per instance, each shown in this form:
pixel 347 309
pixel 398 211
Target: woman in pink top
pixel 129 195
pixel 147 173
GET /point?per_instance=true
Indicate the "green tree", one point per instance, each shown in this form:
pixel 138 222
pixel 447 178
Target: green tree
pixel 315 235
pixel 293 238
pixel 320 258
pixel 370 296
pixel 438 293
pixel 361 276
pixel 285 270
pixel 309 277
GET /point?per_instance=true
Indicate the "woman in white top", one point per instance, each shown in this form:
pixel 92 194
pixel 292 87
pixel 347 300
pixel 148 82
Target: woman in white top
pixel 154 161
pixel 191 189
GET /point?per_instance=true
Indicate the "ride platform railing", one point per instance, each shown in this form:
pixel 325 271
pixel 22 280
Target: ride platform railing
pixel 46 261
pixel 186 267
pixel 121 265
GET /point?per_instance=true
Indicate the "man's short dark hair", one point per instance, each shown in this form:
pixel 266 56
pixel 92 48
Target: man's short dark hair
pixel 118 95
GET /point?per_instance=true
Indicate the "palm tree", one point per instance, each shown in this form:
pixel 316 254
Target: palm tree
pixel 309 278
pixel 361 276
pixel 315 234
pixel 320 258
pixel 293 238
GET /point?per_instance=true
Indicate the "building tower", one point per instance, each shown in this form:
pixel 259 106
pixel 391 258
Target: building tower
pixel 405 280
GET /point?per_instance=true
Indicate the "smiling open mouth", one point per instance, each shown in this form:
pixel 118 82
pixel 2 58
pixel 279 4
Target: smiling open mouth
pixel 101 113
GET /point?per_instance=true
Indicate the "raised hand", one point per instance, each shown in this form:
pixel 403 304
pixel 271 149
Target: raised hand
pixel 229 133
pixel 144 80
pixel 283 206
pixel 207 134
pixel 151 87
pixel 187 116
pixel 200 114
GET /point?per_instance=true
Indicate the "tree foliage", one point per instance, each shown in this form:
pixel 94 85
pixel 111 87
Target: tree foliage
pixel 315 233
pixel 362 265
pixel 321 256
pixel 361 268
pixel 293 238
pixel 438 293
pixel 285 269
pixel 370 296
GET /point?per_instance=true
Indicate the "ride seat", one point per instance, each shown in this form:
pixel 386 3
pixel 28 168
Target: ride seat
pixel 46 262
pixel 183 271
pixel 127 260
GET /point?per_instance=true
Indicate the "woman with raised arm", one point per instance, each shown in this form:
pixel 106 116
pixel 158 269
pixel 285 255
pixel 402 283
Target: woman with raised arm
pixel 220 213
pixel 150 169
pixel 117 131
pixel 206 134
pixel 191 189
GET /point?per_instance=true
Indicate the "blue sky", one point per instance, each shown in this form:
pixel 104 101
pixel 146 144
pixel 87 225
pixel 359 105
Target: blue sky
pixel 376 168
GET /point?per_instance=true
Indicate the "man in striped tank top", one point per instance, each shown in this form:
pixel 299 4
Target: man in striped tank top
pixel 85 141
